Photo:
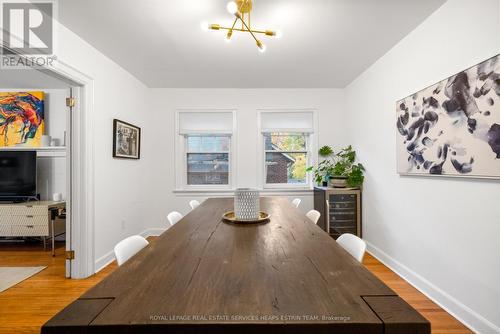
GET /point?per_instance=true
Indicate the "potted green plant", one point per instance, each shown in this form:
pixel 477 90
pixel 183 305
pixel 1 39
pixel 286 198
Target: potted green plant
pixel 324 169
pixel 338 168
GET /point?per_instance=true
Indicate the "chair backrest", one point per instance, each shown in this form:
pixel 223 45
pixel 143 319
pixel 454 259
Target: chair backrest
pixel 353 245
pixel 128 247
pixel 194 204
pixel 296 202
pixel 313 215
pixel 173 217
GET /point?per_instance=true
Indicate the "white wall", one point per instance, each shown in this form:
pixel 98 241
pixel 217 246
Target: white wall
pixel 56 113
pixel 440 233
pixel 329 104
pixel 121 189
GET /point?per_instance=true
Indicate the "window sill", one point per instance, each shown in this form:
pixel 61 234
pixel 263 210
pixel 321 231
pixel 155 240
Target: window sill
pixel 230 192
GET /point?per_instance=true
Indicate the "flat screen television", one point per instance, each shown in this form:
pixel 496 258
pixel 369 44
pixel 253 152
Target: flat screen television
pixel 17 175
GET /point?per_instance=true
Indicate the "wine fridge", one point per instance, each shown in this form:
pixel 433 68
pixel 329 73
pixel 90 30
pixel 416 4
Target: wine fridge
pixel 340 210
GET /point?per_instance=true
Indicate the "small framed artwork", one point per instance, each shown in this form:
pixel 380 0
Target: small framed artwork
pixel 126 140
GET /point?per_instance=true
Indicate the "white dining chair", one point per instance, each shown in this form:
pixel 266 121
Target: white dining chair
pixel 296 202
pixel 194 204
pixel 313 215
pixel 128 247
pixel 353 245
pixel 173 217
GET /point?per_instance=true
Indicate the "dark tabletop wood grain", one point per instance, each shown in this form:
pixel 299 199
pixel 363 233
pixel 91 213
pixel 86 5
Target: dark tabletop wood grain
pixel 207 276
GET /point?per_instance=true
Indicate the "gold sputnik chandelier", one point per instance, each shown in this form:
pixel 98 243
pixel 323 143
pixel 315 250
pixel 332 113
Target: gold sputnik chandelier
pixel 242 9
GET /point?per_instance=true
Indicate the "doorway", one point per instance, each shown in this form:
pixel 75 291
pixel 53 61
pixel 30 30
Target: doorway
pixel 68 163
pixel 36 132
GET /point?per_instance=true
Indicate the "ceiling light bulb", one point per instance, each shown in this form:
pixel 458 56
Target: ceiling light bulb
pixel 228 36
pixel 204 26
pixel 261 46
pixel 232 7
pixel 278 34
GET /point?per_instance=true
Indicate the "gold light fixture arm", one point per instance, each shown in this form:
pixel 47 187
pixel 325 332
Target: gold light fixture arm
pixel 230 31
pixel 234 23
pixel 265 32
pixel 247 28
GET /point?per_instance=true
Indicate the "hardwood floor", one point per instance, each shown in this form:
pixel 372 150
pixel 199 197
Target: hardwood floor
pixel 441 321
pixel 28 305
pixel 25 307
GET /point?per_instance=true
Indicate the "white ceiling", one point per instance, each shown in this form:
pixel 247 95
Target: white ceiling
pixel 325 43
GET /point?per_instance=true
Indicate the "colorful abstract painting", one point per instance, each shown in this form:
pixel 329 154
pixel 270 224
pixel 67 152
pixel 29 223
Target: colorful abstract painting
pixel 21 119
pixel 453 127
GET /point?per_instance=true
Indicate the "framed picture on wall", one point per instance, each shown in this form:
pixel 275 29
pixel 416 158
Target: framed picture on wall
pixel 22 118
pixel 452 128
pixel 126 140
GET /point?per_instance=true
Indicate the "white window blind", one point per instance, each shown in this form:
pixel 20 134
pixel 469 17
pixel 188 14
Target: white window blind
pixel 300 122
pixel 216 122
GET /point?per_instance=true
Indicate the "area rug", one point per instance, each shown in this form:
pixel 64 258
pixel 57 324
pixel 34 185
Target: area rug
pixel 10 276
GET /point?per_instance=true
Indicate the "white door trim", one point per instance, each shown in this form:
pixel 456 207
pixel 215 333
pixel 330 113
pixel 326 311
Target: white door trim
pixel 82 168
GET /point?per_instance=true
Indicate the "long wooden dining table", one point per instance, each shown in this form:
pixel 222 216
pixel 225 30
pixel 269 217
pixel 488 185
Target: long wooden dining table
pixel 204 275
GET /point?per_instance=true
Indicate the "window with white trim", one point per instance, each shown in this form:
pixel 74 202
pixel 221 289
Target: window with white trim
pixel 287 145
pixel 205 140
pixel 286 158
pixel 207 159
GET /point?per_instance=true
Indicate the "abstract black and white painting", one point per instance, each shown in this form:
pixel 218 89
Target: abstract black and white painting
pixel 453 127
pixel 126 140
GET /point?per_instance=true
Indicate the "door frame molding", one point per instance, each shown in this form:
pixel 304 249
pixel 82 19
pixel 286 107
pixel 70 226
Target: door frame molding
pixel 82 209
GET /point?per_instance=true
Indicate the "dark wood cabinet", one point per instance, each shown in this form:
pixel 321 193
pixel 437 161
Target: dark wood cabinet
pixel 340 210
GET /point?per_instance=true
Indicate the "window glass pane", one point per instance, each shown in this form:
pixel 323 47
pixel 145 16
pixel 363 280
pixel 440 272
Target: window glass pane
pixel 285 142
pixel 208 143
pixel 222 143
pixel 194 143
pixel 207 168
pixel 286 168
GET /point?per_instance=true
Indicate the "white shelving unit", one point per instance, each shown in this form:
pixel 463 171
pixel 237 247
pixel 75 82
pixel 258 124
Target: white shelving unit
pixel 50 151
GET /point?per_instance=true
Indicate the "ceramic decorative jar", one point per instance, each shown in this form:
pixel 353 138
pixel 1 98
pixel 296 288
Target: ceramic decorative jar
pixel 246 204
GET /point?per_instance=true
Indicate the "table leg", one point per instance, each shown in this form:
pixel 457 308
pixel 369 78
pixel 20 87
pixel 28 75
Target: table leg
pixel 44 243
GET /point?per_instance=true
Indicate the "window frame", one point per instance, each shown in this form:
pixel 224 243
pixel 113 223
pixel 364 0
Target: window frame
pixel 187 152
pixel 311 149
pixel 181 152
pixel 306 151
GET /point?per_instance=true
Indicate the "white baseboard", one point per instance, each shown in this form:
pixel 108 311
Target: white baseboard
pixel 109 257
pixel 104 261
pixel 152 232
pixel 467 316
